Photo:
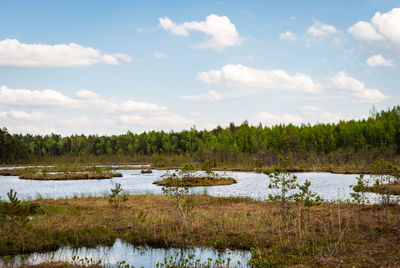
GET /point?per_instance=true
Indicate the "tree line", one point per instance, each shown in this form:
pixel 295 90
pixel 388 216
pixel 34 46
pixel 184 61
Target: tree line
pixel 338 143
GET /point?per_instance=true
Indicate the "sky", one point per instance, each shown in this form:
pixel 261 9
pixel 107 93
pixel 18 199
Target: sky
pixel 106 67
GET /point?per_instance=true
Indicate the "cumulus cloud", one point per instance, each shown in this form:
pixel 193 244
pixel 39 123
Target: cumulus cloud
pixel 158 122
pixel 221 32
pixel 383 29
pixel 345 84
pixel 27 97
pixel 319 30
pixel 379 60
pixel 211 95
pixel 93 109
pixel 87 95
pixel 244 77
pixel 83 99
pixel 323 116
pixel 17 54
pixel 363 30
pixel 276 119
pixel 22 115
pixel 287 36
pixel 159 55
pixel 137 106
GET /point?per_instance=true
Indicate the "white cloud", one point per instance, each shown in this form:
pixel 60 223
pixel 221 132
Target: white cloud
pixel 159 122
pixel 276 119
pixel 383 29
pixel 93 108
pixel 14 53
pixel 31 129
pixel 211 95
pixel 293 18
pixel 139 106
pixel 84 99
pixel 222 33
pixel 345 84
pixel 379 60
pixel 323 116
pixel 159 55
pixel 363 30
pixel 87 95
pixel 287 36
pixel 244 77
pixel 27 97
pixel 80 121
pixel 322 30
pixel 21 115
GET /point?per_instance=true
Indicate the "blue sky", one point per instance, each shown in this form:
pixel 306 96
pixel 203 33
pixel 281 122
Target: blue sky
pixel 107 67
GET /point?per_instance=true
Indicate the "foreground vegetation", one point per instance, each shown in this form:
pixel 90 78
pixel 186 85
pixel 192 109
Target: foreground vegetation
pixel 329 234
pixel 345 146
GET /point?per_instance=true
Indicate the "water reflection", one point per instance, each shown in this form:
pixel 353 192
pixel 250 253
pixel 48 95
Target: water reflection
pixel 136 256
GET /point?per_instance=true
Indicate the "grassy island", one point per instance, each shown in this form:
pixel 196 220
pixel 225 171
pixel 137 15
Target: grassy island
pixel 195 181
pixel 71 176
pixel 65 172
pixel 389 189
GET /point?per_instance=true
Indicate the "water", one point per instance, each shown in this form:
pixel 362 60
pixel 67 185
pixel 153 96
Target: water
pixel 249 184
pixel 136 256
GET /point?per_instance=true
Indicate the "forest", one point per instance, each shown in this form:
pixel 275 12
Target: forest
pixel 357 142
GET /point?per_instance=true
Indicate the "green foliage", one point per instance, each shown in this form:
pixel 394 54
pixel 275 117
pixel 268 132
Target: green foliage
pixel 358 194
pixel 117 195
pixel 178 191
pixel 14 214
pixel 283 182
pixel 207 167
pixel 186 170
pixel 383 173
pixel 84 261
pixel 306 196
pixel 339 144
pixel 268 259
pixel 190 261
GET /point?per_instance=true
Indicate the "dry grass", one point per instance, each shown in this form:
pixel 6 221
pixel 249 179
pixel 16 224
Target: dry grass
pixel 59 265
pixel 390 188
pixel 71 176
pixel 328 235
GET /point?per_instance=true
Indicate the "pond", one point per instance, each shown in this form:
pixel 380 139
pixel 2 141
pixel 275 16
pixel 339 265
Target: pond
pixel 329 186
pixel 136 256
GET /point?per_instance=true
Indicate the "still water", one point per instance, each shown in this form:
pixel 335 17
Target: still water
pixel 136 256
pixel 249 184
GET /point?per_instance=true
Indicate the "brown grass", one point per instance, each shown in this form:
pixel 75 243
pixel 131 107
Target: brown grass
pixel 71 176
pixel 328 235
pixel 390 188
pixel 58 265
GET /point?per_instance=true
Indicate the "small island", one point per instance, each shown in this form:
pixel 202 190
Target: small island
pixel 392 188
pixel 71 176
pixel 65 172
pixel 188 177
pixel 195 181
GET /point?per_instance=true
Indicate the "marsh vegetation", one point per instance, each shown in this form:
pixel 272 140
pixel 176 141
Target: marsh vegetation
pixel 291 223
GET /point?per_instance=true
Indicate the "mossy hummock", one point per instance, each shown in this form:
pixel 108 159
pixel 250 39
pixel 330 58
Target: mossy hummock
pixel 195 181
